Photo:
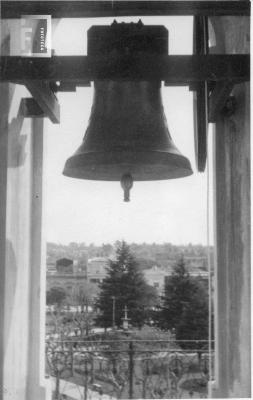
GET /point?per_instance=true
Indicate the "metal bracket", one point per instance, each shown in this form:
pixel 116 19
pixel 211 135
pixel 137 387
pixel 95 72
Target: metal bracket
pixel 218 99
pixel 230 107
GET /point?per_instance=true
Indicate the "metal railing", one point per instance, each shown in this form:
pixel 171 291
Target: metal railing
pixel 128 369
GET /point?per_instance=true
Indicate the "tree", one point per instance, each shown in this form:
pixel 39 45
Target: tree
pixel 83 322
pixel 55 297
pixel 125 286
pixel 82 297
pixel 184 306
pixel 83 317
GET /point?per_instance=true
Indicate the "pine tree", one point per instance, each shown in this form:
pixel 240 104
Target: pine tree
pixel 126 283
pixel 184 306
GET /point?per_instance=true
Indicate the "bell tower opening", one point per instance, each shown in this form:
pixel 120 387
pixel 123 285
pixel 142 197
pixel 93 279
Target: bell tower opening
pixel 129 289
pixel 163 228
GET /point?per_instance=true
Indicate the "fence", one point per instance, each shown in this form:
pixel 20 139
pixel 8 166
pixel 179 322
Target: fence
pixel 129 369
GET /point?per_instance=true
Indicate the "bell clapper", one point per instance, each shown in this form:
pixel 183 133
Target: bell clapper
pixel 126 184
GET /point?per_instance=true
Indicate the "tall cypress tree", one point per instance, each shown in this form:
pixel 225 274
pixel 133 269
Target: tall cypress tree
pixel 125 282
pixel 184 306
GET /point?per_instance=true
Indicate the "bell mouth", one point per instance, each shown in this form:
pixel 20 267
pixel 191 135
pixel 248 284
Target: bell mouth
pixel 143 166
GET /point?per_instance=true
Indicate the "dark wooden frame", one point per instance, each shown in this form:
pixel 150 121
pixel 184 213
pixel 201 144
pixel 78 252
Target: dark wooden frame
pixel 175 69
pixel 116 8
pixel 211 77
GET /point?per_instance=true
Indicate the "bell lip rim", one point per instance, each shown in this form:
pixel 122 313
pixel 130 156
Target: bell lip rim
pixel 72 171
pixel 189 173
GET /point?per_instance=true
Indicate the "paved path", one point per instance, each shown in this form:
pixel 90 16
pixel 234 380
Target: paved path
pixel 76 392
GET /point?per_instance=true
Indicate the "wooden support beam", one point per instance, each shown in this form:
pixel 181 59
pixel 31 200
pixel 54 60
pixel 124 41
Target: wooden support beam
pixel 29 108
pixel 174 69
pixel 200 97
pixel 200 35
pixel 63 87
pixel 94 9
pixel 218 98
pixel 68 86
pixel 45 98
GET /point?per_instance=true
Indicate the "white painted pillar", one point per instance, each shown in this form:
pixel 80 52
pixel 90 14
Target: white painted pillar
pixel 36 358
pixel 21 267
pixel 22 245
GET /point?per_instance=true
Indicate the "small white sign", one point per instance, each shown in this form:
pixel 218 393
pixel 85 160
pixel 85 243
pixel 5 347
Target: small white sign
pixel 35 36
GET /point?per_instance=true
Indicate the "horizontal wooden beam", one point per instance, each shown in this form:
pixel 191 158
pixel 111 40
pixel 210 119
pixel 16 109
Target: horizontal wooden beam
pixel 94 9
pixel 45 98
pixel 172 69
pixel 63 87
pixel 68 86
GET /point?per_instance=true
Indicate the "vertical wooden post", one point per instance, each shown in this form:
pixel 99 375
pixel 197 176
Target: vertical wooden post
pixel 21 358
pixel 232 216
pixel 4 91
pixel 37 265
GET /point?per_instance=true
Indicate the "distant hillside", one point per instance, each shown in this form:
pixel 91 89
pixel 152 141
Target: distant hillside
pixel 148 255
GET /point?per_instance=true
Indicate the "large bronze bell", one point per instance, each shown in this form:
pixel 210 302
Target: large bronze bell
pixel 127 138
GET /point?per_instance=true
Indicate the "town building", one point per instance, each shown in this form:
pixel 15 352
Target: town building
pixel 96 269
pixel 156 276
pixel 73 276
pixel 67 275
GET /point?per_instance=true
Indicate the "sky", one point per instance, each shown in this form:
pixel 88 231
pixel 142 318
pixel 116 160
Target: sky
pixel 172 211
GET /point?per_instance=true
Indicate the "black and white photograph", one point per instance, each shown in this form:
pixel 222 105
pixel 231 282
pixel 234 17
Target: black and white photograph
pixel 125 203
